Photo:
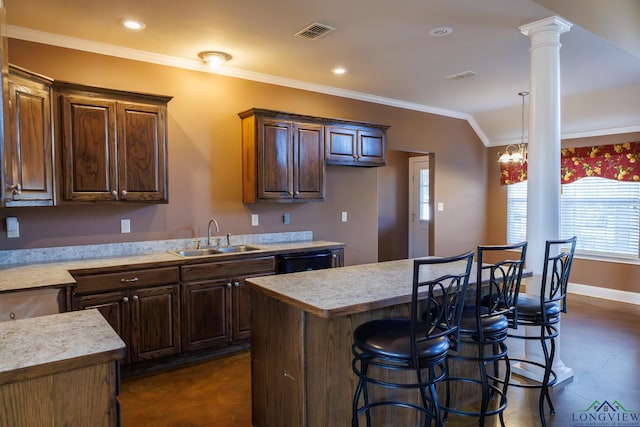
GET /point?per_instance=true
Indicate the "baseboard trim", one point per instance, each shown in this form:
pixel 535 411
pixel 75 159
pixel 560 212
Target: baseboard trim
pixel 605 293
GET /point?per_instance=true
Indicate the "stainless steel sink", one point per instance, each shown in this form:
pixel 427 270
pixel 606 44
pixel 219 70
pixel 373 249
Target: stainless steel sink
pixel 196 252
pixel 237 248
pixel 214 251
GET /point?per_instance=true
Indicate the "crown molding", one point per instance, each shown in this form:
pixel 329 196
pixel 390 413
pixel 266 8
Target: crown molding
pixel 197 65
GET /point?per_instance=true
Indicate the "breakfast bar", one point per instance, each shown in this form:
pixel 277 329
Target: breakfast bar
pixel 301 338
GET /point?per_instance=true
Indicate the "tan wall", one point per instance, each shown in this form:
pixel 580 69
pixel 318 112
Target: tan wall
pixel 205 163
pixel 606 274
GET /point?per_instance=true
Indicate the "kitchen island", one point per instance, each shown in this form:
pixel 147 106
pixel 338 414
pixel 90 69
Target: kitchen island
pixel 302 326
pixel 59 370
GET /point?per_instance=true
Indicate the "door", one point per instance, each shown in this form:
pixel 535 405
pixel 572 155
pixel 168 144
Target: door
pixel 275 173
pixel 29 149
pixel 89 148
pixel 155 322
pixel 420 206
pixel 114 307
pixel 141 152
pixel 205 314
pixel 308 171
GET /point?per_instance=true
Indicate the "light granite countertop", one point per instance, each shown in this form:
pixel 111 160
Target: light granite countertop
pixel 28 276
pixel 49 344
pixel 348 290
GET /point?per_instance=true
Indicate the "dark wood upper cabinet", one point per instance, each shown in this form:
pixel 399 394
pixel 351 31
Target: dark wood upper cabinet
pixel 355 145
pixel 28 171
pixel 113 144
pixel 283 159
pixel 284 154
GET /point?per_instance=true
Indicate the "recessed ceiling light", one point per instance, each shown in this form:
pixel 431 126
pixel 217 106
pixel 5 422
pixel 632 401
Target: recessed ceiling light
pixel 441 31
pixel 133 25
pixel 214 58
pixel 339 70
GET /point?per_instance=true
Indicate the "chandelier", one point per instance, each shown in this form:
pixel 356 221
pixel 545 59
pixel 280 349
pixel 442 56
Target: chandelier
pixel 516 153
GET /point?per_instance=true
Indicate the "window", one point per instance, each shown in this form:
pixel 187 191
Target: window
pixel 424 195
pixel 603 213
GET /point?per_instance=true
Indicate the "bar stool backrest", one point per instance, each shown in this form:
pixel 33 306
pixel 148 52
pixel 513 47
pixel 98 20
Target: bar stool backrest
pixel 498 294
pixel 442 298
pixel 558 256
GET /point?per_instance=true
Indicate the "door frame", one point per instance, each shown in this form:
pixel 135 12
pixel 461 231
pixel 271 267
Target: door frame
pixel 412 200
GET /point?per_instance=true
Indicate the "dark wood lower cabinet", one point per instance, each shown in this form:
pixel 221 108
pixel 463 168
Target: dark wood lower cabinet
pixel 142 306
pixel 167 311
pixel 205 314
pixel 216 313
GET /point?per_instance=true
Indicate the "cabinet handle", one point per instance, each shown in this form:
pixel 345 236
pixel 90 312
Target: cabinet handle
pixel 229 285
pixel 297 193
pixel 16 188
pixel 125 299
pixel 236 284
pixel 290 193
pixel 135 298
pixel 124 194
pixel 114 195
pixel 132 280
pixel 12 316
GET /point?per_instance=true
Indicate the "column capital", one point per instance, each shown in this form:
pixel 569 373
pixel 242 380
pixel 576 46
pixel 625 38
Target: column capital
pixel 552 23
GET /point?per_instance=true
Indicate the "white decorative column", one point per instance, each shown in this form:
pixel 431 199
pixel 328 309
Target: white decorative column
pixel 543 177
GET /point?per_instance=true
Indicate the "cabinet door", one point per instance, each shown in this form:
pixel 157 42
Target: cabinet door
pixel 355 146
pixel 206 314
pixel 241 307
pixel 340 145
pixel 308 171
pixel 88 148
pixel 371 147
pixel 155 322
pixel 275 160
pixel 29 158
pixel 114 307
pixel 141 152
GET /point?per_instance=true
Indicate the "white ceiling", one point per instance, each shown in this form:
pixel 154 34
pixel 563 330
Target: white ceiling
pixel 386 47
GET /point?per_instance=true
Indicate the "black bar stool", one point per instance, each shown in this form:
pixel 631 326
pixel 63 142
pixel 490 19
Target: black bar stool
pixel 543 312
pixel 483 330
pixel 413 345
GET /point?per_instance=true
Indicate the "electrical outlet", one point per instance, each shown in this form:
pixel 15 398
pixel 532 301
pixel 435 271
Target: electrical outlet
pixel 440 206
pixel 286 218
pixel 125 226
pixel 344 217
pixel 13 227
pixel 254 220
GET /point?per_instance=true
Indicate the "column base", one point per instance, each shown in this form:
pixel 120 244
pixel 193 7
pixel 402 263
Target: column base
pixel 536 373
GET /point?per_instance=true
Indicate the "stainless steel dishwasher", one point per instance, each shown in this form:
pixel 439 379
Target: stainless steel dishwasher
pixel 304 261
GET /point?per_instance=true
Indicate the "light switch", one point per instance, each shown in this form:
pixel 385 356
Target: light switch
pixel 440 206
pixel 125 226
pixel 13 227
pixel 344 217
pixel 286 218
pixel 254 220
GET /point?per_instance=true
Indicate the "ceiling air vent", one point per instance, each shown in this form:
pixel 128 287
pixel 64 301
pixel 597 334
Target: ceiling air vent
pixel 314 31
pixel 461 75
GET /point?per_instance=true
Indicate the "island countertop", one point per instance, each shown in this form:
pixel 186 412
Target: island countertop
pixel 347 290
pixel 48 344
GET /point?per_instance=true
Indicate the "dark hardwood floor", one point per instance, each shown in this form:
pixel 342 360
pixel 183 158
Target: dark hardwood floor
pixel 600 341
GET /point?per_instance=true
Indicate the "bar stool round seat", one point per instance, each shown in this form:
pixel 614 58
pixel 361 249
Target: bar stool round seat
pixel 390 338
pixel 484 327
pixel 541 314
pixel 410 353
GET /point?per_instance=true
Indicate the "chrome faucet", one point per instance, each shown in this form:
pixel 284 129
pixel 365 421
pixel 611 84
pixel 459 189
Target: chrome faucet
pixel 209 230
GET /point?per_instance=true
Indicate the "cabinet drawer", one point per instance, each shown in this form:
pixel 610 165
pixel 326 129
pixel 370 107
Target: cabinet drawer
pixel 227 269
pixel 125 279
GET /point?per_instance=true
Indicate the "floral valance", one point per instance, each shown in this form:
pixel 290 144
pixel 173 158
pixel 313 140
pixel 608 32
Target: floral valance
pixel 617 161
